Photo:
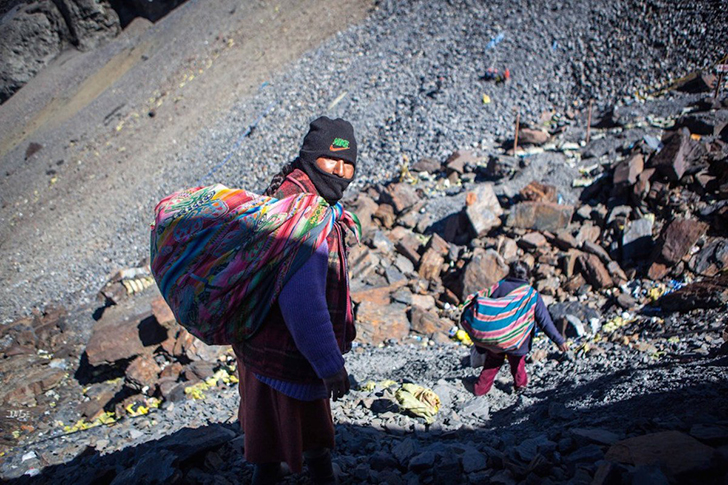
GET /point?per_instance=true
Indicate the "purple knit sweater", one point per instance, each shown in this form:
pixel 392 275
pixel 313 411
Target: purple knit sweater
pixel 304 309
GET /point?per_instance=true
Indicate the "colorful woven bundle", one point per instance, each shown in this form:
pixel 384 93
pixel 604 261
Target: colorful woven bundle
pixel 221 256
pixel 500 324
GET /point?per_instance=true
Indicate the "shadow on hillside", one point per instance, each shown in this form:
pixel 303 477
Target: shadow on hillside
pixel 212 454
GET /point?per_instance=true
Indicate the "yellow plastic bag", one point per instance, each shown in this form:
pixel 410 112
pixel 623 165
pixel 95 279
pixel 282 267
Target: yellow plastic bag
pixel 419 401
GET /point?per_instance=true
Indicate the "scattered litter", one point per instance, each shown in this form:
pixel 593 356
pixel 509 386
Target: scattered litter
pixel 658 122
pixel 371 385
pixel 418 400
pixel 338 100
pixel 486 99
pixel 197 391
pixel 460 335
pixel 495 41
pixel 583 182
pixel 29 456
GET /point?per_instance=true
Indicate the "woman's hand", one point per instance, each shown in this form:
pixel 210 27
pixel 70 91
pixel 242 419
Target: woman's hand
pixel 564 347
pixel 338 384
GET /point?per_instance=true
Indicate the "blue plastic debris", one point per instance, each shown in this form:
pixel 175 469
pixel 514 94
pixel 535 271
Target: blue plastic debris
pixel 495 41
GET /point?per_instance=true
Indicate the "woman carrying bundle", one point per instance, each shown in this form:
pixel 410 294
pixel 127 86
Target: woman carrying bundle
pixel 528 308
pixel 292 366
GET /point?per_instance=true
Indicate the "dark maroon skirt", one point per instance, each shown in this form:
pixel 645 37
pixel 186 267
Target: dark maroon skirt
pixel 279 428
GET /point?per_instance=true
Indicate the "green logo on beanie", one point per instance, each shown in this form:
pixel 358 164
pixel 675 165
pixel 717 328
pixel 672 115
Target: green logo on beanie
pixel 340 143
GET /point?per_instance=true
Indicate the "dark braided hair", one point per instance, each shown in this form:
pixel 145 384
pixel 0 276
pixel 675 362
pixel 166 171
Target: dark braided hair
pixel 520 270
pixel 278 178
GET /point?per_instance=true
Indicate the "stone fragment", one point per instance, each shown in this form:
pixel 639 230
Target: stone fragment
pixel 404 265
pixel 92 22
pixel 400 196
pixel 382 243
pixel 116 336
pixel 404 451
pixel 485 269
pixel 627 171
pixel 385 215
pixel 142 373
pixel 637 239
pixel 594 271
pixel 538 192
pixel 483 209
pixel 595 435
pixel 33 382
pixel 588 232
pixel 532 240
pixel 422 462
pixel 712 258
pixel 364 207
pixel 564 240
pixel 377 323
pixel 675 157
pixel 431 264
pixel 473 461
pixel 540 216
pixel 528 136
pixel 424 302
pixel 192 348
pixel 676 241
pixel 673 451
pixel 362 262
pixel 457 161
pixel 697 82
pixel 380 295
pixel 162 312
pixel 507 248
pixel 429 165
pixel 710 433
pixel 427 322
pixel 704 123
pixel 597 250
pixel 409 247
pixel 32 36
pixel 477 407
pixel 99 396
pixel 708 293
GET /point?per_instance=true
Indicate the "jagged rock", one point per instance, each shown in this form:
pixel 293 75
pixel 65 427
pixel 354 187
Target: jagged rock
pixel 22 390
pixel 561 313
pixel 157 467
pixel 637 239
pixel 192 348
pixel 457 161
pixel 99 396
pixel 426 322
pixel 675 158
pixel 532 240
pixel 409 246
pixel 709 293
pixel 381 242
pixel 90 22
pixel 595 435
pixel 485 269
pixel 424 302
pixel 32 35
pixel 588 232
pixel 362 262
pixel 483 209
pixel 705 123
pixel 595 272
pixel 564 240
pixel 597 250
pixel 676 241
pixel 673 451
pixel 142 373
pixel 380 295
pixel 162 312
pixel 507 248
pixel 385 215
pixel 712 259
pixel 364 207
pixel 627 171
pixel 400 196
pixel 697 82
pixel 429 165
pixel 501 166
pixel 528 136
pixel 473 461
pixel 422 462
pixel 377 323
pixel 431 264
pixel 540 216
pixel 118 336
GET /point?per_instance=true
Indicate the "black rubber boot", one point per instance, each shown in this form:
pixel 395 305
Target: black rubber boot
pixel 266 473
pixel 320 468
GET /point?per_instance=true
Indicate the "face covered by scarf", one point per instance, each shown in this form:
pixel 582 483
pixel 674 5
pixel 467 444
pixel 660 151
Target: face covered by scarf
pixel 332 139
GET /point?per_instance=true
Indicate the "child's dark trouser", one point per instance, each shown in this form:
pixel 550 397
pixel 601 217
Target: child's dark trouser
pixel 493 363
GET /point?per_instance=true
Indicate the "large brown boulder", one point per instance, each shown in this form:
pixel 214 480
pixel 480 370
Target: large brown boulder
pixel 540 216
pixel 486 268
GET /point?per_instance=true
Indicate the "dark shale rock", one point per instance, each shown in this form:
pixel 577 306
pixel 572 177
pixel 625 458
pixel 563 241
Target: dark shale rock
pixel 485 269
pixel 676 241
pixel 540 216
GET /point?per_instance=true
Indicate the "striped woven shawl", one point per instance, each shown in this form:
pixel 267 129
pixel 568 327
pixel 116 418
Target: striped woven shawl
pixel 500 324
